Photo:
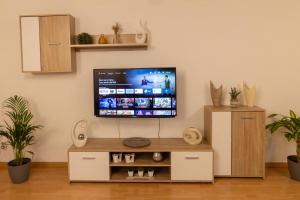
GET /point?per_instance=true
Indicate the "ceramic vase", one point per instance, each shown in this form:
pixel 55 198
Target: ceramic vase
pixel 141 34
pixel 249 95
pixel 216 94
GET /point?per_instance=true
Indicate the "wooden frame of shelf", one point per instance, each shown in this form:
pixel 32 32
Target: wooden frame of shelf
pixel 126 41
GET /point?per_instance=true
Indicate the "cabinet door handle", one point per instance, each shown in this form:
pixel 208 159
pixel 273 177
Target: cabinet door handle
pixel 54 43
pixel 248 117
pixel 89 158
pixel 191 157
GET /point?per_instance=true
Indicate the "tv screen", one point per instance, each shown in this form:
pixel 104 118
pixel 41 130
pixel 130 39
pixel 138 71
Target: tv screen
pixel 135 92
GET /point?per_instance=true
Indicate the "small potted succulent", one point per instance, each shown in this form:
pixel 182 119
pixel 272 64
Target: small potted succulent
pixel 291 128
pixel 140 172
pixel 234 93
pixel 18 131
pixel 150 172
pixel 84 38
pixel 130 172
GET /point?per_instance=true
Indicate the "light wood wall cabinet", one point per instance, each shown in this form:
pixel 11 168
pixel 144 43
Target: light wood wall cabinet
pixel 237 137
pixel 45 43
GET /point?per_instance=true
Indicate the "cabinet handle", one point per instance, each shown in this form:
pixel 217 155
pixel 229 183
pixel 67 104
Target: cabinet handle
pixel 89 158
pixel 191 157
pixel 248 117
pixel 54 43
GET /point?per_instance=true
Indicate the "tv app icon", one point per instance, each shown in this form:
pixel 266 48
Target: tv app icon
pixel 129 91
pixel 120 91
pixel 138 91
pixel 147 91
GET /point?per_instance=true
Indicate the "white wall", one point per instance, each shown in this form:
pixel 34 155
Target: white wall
pixel 225 41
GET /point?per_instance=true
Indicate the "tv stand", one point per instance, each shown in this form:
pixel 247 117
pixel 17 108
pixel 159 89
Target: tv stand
pixel 182 162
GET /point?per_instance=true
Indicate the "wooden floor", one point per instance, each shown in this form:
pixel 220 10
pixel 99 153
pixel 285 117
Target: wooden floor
pixel 52 183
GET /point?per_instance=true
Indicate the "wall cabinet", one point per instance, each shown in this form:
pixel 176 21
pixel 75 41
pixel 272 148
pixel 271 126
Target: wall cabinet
pixel 45 43
pixel 237 137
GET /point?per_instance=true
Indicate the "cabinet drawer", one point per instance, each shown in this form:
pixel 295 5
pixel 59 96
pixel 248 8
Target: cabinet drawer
pixel 89 166
pixel 192 166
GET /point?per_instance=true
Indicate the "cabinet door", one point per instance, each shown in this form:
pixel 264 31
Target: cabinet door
pixel 55 44
pixel 89 166
pixel 192 166
pixel 30 41
pixel 248 130
pixel 221 143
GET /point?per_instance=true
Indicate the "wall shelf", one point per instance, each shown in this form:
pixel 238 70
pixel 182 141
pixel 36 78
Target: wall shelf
pixel 125 41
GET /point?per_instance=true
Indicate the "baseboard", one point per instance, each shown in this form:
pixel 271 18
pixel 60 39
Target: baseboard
pixel 41 164
pixel 65 164
pixel 276 165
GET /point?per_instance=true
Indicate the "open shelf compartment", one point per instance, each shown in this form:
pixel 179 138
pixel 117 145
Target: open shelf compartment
pixel 120 174
pixel 142 159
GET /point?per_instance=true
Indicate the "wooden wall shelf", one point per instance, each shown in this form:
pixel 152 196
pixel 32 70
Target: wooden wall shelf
pixel 125 41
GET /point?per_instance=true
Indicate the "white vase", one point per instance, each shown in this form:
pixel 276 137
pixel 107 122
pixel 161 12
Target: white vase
pixel 141 34
pixel 249 95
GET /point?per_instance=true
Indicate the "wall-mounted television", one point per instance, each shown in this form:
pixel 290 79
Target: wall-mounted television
pixel 135 92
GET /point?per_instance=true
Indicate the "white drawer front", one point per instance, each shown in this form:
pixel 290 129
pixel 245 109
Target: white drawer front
pixel 192 166
pixel 89 166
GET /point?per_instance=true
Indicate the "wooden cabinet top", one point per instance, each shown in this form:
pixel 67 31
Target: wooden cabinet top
pixel 157 145
pixel 230 109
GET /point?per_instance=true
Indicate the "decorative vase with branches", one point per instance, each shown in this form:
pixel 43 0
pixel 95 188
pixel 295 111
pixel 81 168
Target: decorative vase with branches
pixel 116 29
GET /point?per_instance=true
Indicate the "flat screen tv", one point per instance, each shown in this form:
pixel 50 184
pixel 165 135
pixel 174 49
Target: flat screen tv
pixel 135 92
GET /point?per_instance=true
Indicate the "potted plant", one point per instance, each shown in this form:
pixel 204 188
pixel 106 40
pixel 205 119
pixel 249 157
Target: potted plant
pixel 291 125
pixel 18 132
pixel 84 38
pixel 234 93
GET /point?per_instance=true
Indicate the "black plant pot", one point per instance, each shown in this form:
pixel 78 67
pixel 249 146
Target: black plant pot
pixel 294 167
pixel 19 174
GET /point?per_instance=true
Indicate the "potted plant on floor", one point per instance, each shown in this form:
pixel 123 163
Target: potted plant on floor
pixel 291 125
pixel 18 131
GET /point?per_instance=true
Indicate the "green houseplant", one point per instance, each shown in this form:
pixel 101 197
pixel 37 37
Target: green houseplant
pixel 234 93
pixel 18 132
pixel 84 38
pixel 291 130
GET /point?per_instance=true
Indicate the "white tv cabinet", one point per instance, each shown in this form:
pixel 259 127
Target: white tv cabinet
pixel 181 163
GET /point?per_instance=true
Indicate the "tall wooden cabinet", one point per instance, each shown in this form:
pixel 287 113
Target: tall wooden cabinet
pixel 45 43
pixel 237 138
